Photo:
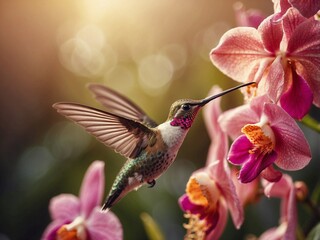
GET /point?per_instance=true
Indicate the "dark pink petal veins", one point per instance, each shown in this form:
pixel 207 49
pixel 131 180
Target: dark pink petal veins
pixel 297 100
pixel 304 47
pixel 239 150
pixel 291 20
pixel 307 8
pixel 275 80
pixel 241 55
pixel 291 145
pixel 257 162
pixel 271 34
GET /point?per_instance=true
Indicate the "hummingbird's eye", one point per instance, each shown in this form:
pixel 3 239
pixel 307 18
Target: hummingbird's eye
pixel 185 107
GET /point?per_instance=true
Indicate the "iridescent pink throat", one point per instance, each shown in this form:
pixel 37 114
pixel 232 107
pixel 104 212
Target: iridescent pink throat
pixel 184 122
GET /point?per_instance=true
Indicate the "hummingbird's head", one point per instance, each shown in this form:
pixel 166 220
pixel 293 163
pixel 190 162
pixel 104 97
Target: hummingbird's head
pixel 183 112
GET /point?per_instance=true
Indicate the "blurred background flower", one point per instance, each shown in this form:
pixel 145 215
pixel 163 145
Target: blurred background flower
pixel 154 52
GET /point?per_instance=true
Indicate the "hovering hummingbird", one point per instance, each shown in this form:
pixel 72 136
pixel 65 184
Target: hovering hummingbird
pixel 149 148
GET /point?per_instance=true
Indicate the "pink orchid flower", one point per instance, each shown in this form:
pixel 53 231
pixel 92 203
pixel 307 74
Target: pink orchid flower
pixel 285 190
pixel 210 191
pixel 307 8
pixel 81 218
pixel 282 57
pixel 264 134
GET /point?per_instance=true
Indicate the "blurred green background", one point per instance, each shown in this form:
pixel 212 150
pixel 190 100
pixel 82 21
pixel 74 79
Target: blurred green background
pixel 155 52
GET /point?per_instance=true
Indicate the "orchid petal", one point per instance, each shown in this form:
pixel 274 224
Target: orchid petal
pixel 291 145
pixel 223 216
pixel 219 140
pixel 280 7
pixel 233 120
pixel 239 150
pixel 275 233
pixel 278 189
pixel 51 230
pixel 256 163
pixel 64 207
pixel 304 46
pixel 222 177
pixel 247 193
pixel 285 190
pixel 310 75
pixel 187 205
pixel 271 34
pixel 241 55
pixel 274 83
pixel 297 100
pixel 271 174
pixel 291 215
pixel 315 86
pixel 291 20
pixel 307 8
pixel 92 187
pixel 212 220
pixel 104 226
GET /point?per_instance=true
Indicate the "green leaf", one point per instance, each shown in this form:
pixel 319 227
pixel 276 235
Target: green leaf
pixel 311 123
pixel 151 227
pixel 315 233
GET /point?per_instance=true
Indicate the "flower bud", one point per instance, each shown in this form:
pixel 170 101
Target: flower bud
pixel 301 190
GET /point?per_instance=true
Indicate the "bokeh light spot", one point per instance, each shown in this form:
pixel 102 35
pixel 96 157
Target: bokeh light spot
pixel 155 73
pixel 34 163
pixel 87 54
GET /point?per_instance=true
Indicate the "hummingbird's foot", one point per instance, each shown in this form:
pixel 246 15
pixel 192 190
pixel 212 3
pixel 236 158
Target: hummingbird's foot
pixel 151 183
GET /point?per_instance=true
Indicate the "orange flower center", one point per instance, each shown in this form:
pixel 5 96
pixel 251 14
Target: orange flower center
pixel 203 191
pixel 262 137
pixel 64 234
pixel 72 231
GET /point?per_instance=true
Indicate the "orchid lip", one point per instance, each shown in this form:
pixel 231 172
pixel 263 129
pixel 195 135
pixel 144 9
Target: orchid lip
pixel 203 102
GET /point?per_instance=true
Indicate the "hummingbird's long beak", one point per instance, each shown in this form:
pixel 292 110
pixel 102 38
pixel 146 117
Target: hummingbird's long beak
pixel 208 99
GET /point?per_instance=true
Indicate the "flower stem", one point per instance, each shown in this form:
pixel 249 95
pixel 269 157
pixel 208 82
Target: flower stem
pixel 311 123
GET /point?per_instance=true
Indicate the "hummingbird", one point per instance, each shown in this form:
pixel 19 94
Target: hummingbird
pixel 149 148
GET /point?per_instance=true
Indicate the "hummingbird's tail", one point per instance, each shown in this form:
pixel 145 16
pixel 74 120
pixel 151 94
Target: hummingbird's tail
pixel 112 199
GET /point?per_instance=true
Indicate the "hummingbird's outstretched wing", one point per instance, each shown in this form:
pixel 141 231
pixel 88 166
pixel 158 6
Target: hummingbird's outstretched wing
pixel 125 136
pixel 119 104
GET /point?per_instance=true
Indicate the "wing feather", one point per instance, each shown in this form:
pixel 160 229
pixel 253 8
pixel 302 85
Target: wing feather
pixel 120 105
pixel 126 136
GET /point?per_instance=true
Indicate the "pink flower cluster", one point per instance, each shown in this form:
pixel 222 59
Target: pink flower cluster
pixel 281 54
pixel 80 218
